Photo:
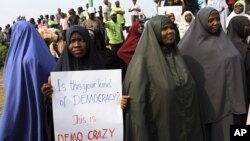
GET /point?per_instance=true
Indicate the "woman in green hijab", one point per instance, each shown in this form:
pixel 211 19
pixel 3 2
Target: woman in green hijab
pixel 163 102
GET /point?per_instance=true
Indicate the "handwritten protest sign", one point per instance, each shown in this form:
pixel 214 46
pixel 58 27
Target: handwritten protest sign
pixel 86 105
pixel 177 10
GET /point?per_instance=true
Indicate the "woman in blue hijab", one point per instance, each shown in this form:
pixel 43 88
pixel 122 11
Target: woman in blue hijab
pixel 27 67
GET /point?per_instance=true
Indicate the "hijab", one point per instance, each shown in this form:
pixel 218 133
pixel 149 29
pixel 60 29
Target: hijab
pixel 163 103
pixel 184 25
pixel 217 68
pixel 27 67
pixel 235 31
pixel 91 60
pixel 108 57
pixel 67 62
pixel 233 14
pixel 127 50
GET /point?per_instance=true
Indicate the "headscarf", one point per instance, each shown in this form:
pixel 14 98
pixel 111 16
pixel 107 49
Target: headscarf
pixel 235 31
pixel 108 57
pixel 233 14
pixel 27 67
pixel 163 104
pixel 127 50
pixel 91 60
pixel 67 62
pixel 184 25
pixel 217 68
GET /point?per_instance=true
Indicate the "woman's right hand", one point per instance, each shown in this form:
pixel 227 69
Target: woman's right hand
pixel 47 90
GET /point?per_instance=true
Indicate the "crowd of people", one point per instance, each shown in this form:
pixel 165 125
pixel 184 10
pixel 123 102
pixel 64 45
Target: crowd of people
pixel 186 81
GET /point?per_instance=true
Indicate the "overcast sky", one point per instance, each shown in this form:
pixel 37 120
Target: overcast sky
pixel 10 9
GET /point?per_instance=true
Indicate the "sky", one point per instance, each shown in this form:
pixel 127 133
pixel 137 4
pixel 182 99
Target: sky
pixel 10 9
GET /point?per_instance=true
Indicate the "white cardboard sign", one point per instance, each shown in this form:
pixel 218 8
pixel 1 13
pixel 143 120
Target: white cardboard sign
pixel 86 105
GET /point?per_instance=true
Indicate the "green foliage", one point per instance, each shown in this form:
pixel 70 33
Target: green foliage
pixel 3 53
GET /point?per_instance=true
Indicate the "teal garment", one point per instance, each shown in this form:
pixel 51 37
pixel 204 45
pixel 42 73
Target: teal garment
pixel 163 104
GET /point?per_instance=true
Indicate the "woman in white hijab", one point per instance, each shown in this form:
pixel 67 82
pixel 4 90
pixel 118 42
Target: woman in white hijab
pixel 239 10
pixel 186 20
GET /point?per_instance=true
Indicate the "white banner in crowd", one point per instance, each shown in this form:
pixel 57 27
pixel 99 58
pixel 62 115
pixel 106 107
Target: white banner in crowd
pixel 86 105
pixel 177 10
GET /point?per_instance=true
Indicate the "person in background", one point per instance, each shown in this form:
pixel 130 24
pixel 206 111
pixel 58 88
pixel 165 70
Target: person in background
pixel 93 22
pixel 142 16
pixel 238 30
pixel 171 16
pixel 39 23
pixel 27 67
pixel 85 11
pixel 46 20
pixel 109 59
pixel 52 23
pixel 2 38
pixel 100 14
pixel 164 109
pixel 106 11
pixel 128 48
pixel 73 18
pixel 190 5
pixel 119 13
pixel 126 29
pixel 56 47
pixel 222 7
pixel 239 9
pixel 186 19
pixel 58 15
pixel 114 32
pixel 218 70
pixel 33 22
pixel 81 15
pixel 64 25
pixel 134 10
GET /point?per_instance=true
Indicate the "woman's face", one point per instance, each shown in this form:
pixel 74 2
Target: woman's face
pixel 168 34
pixel 247 28
pixel 77 45
pixel 188 17
pixel 141 27
pixel 214 22
pixel 238 8
pixel 172 17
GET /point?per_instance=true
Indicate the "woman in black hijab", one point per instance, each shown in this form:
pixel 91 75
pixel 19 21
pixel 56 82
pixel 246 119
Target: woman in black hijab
pixel 78 54
pixel 163 104
pixel 108 57
pixel 238 30
pixel 218 69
